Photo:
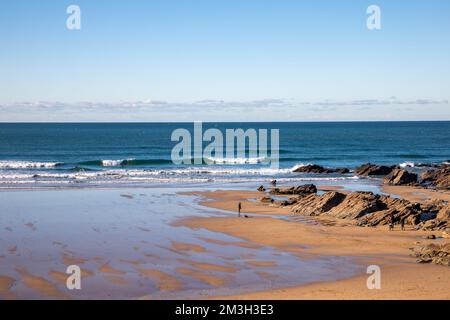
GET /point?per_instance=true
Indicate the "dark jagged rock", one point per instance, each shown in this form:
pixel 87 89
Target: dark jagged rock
pixel 313 168
pixel 370 169
pixel 299 190
pixel 261 188
pixel 439 254
pixel 438 178
pixel 400 177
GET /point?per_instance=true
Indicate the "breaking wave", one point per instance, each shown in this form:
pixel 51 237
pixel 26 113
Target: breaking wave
pixel 27 164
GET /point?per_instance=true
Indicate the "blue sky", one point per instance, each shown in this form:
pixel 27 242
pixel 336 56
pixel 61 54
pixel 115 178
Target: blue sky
pixel 224 60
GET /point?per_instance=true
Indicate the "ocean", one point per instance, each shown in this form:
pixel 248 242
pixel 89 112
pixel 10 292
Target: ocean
pixel 93 154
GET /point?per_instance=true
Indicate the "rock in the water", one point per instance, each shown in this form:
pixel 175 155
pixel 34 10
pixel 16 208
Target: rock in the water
pixel 342 170
pixel 431 237
pixel 261 188
pixel 312 168
pixel 299 190
pixel 369 169
pixel 439 254
pixel 400 177
pixel 438 178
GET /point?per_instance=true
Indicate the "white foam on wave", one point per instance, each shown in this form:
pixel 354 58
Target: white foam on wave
pixel 115 163
pixel 26 164
pixel 298 166
pixel 191 174
pixel 236 160
pixel 407 165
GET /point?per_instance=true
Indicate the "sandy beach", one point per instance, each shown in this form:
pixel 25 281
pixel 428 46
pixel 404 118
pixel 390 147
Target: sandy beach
pixel 402 277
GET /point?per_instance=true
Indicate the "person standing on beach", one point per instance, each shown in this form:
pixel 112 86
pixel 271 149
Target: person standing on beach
pixel 391 222
pixel 239 209
pixel 402 224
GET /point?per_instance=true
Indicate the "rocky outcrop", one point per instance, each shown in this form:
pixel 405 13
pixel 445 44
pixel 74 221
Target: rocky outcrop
pixel 365 208
pixel 400 177
pixel 261 188
pixel 313 205
pixel 446 233
pixel 444 214
pixel 438 178
pixel 439 254
pixel 298 190
pixel 356 205
pixel 395 209
pixel 442 220
pixel 313 168
pixel 370 169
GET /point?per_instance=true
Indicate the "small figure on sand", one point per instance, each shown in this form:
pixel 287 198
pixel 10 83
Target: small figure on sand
pixel 402 224
pixel 239 209
pixel 274 183
pixel 391 222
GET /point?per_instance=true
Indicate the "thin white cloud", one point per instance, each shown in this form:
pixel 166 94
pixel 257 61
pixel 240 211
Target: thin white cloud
pixel 220 110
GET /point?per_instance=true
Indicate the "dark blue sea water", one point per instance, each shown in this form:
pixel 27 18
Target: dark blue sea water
pixel 140 153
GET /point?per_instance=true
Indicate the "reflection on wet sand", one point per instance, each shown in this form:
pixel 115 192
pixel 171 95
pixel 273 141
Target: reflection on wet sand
pixel 137 246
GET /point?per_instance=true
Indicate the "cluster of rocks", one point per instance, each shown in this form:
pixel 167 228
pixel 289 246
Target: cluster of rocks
pixel 401 177
pixel 314 168
pixel 370 169
pixel 439 254
pixel 369 209
pixel 437 177
pixel 365 208
pixel 298 190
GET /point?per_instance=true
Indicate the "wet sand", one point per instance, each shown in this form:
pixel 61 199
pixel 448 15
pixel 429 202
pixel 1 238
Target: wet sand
pixel 416 194
pixel 402 277
pixel 134 247
pixel 201 253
